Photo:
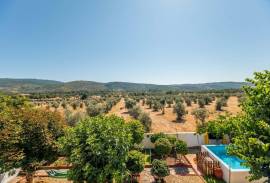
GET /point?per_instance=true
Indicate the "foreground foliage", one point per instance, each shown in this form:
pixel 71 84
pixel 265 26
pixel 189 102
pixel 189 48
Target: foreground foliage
pixel 27 135
pixel 98 148
pixel 252 144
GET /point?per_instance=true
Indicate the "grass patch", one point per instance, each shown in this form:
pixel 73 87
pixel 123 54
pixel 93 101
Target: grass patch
pixel 210 179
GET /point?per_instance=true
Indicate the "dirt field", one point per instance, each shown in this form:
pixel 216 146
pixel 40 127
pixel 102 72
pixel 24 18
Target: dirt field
pixel 167 122
pixel 120 110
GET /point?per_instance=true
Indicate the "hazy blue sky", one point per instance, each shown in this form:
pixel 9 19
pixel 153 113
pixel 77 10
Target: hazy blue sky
pixel 152 41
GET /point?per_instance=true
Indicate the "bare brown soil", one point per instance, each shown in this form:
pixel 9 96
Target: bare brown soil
pixel 120 110
pixel 167 123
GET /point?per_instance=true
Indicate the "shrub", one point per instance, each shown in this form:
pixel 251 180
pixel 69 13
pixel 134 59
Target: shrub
pixel 172 139
pixel 210 179
pixel 73 119
pixel 95 110
pixel 135 162
pixel 181 147
pixel 159 169
pixel 163 147
pixel 157 136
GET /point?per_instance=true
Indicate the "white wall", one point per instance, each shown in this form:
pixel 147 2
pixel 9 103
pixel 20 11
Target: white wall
pixel 8 176
pixel 191 138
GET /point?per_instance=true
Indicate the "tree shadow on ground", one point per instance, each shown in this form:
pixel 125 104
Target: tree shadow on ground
pixel 179 121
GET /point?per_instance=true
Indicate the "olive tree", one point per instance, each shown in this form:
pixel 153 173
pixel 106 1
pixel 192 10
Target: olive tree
pixel 145 119
pixel 221 102
pixel 169 101
pixel 130 103
pixel 95 110
pixel 180 111
pixel 156 106
pixel 200 114
pixel 188 101
pixel 201 103
pixel 135 112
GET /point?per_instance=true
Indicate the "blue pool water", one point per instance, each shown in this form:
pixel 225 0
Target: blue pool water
pixel 221 152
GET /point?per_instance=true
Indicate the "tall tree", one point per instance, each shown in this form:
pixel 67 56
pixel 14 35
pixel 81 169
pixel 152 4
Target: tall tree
pixel 252 144
pixel 27 136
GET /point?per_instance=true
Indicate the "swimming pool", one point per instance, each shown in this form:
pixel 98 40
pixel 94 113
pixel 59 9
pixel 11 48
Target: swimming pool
pixel 232 162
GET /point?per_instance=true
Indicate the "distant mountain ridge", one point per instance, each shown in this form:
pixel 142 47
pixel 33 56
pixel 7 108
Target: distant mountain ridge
pixel 39 86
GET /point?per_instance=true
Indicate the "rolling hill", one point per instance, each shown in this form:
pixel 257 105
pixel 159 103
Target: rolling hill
pixel 39 86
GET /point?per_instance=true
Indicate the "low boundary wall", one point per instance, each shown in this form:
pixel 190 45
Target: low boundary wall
pixel 191 138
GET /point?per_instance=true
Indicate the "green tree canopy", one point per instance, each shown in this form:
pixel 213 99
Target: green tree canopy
pixel 27 136
pixel 181 147
pixel 98 149
pixel 130 103
pixel 252 144
pixel 157 136
pixel 163 147
pixel 135 162
pixel 160 169
pixel 137 130
pixel 200 114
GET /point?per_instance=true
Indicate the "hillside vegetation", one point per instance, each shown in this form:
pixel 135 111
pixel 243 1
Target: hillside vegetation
pixel 39 86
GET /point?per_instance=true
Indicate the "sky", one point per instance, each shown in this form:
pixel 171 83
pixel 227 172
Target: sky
pixel 145 41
